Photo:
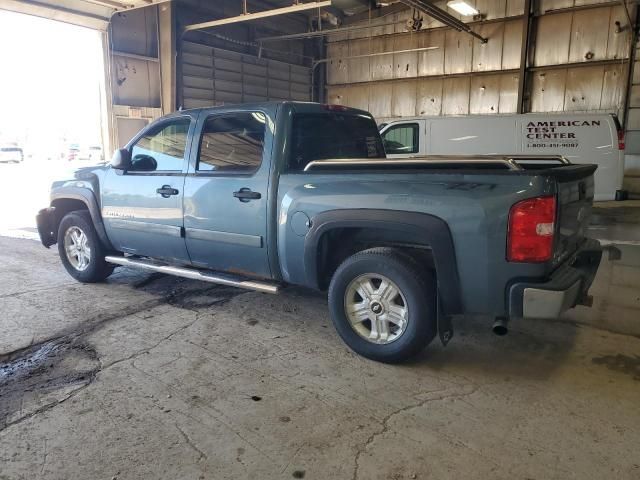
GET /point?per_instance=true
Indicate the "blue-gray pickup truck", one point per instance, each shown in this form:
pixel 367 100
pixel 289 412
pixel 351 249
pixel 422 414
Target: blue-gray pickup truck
pixel 261 196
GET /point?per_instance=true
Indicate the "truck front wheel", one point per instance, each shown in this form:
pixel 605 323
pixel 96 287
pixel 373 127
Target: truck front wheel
pixel 383 304
pixel 80 249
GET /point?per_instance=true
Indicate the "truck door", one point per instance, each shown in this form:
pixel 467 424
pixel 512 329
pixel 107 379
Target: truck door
pixel 142 207
pixel 404 139
pixel 225 201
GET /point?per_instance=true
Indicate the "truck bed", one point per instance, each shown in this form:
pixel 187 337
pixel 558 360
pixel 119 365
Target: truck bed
pixel 472 195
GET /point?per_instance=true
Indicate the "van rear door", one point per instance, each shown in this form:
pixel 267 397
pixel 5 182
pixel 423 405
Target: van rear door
pixel 472 135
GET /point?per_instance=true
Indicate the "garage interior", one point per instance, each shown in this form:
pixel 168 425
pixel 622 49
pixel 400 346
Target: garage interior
pixel 151 376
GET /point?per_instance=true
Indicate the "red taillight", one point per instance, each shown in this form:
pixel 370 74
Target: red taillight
pixel 531 229
pixel 620 139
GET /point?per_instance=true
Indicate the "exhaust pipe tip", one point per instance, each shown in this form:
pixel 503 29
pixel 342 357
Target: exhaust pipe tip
pixel 500 327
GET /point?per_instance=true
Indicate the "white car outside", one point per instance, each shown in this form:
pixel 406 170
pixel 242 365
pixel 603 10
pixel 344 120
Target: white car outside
pixel 11 155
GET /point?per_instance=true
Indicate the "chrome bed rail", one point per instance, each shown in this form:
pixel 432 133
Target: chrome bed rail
pixel 508 162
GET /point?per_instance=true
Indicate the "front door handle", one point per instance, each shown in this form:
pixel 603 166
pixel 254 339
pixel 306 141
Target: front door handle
pixel 245 195
pixel 166 191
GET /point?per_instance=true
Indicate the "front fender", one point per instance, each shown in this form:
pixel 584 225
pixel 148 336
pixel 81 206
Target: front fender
pixel 50 218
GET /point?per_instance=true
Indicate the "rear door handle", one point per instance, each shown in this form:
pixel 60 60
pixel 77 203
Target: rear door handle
pixel 245 194
pixel 167 190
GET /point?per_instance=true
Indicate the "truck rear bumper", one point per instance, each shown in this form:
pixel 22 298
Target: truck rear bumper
pixel 567 287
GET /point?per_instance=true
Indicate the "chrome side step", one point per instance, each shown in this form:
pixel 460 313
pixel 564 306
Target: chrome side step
pixel 195 274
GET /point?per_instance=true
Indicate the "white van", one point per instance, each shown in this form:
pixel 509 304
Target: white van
pixel 581 138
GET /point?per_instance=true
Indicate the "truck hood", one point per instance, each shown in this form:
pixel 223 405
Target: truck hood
pixel 85 177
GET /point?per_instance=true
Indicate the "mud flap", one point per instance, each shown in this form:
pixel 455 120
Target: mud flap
pixel 445 325
pixel 44 221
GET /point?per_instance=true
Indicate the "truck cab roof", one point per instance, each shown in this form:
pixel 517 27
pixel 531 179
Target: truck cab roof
pixel 306 107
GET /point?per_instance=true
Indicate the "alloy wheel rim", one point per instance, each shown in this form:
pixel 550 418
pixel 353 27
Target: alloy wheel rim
pixel 376 308
pixel 76 246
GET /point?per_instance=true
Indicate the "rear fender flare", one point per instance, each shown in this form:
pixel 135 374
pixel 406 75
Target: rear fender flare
pixel 432 229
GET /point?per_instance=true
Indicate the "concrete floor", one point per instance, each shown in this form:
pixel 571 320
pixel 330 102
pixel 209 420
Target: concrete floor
pixel 152 377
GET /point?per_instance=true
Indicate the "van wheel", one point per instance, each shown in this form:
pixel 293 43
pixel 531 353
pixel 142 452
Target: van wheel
pixel 80 249
pixel 383 304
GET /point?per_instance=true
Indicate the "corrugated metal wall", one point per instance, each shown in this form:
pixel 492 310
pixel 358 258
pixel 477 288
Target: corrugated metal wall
pixel 593 37
pixel 578 61
pixel 212 76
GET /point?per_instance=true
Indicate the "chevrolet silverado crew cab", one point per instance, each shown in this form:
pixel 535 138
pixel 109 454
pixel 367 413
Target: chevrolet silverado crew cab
pixel 264 195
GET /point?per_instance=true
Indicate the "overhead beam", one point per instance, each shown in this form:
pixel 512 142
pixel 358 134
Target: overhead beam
pixel 300 18
pixel 375 13
pixel 60 13
pixel 112 3
pixel 299 7
pixel 188 13
pixel 442 16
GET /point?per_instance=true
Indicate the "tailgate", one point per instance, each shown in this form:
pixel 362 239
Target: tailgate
pixel 575 199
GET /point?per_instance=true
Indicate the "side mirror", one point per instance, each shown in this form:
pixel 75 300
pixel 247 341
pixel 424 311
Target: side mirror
pixel 121 159
pixel 144 163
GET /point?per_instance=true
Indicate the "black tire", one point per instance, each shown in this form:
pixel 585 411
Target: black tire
pixel 97 269
pixel 418 289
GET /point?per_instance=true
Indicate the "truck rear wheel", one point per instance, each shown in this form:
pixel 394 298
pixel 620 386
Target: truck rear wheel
pixel 80 249
pixel 383 304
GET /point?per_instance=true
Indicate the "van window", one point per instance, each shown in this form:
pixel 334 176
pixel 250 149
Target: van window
pixel 401 139
pixel 322 136
pixel 232 143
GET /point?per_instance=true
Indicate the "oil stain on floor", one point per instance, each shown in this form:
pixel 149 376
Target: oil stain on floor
pixel 629 365
pixel 41 376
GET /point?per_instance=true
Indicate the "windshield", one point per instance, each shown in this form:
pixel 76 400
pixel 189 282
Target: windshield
pixel 321 136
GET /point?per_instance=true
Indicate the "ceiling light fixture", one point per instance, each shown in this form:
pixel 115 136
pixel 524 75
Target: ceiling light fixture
pixel 462 7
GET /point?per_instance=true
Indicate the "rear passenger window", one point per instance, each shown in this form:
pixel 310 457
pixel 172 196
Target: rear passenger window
pixel 232 143
pixel 162 148
pixel 401 139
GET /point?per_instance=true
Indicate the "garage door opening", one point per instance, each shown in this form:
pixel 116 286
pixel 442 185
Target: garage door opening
pixel 52 98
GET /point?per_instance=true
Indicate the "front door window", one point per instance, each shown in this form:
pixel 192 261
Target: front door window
pixel 161 149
